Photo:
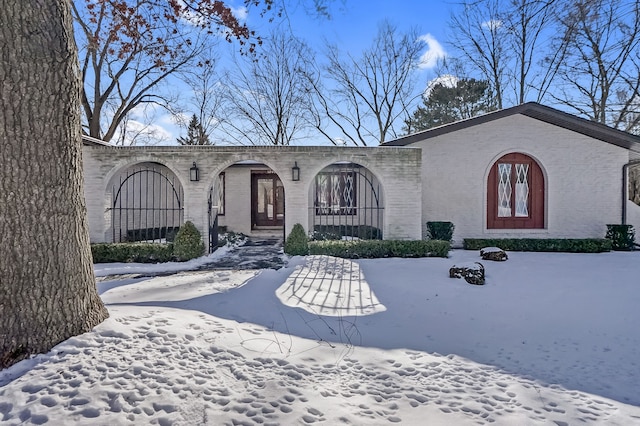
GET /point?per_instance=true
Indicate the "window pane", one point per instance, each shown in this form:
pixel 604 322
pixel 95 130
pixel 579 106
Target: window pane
pixel 335 193
pixel 522 190
pixel 347 201
pixel 322 194
pixel 504 190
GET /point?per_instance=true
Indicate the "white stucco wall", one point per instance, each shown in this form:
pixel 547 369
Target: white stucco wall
pixel 397 168
pixel 583 178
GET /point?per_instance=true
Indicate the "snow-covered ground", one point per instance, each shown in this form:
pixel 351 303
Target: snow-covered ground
pixel 550 339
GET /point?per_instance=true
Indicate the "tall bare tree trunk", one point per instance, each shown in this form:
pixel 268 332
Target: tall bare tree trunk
pixel 47 286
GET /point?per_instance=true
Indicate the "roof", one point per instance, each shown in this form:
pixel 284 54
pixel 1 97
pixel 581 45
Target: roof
pixel 88 140
pixel 538 112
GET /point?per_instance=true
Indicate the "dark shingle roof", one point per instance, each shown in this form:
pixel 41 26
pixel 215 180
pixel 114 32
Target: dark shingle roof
pixel 538 112
pixel 88 140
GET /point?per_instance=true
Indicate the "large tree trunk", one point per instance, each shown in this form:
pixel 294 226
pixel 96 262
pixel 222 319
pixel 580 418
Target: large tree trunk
pixel 47 286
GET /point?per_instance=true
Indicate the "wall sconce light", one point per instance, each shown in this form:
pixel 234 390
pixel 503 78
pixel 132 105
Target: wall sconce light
pixel 194 173
pixel 295 172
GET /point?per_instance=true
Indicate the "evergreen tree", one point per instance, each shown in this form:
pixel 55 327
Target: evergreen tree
pixel 196 135
pixel 446 104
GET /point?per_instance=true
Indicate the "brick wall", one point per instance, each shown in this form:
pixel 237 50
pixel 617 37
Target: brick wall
pixel 583 178
pixel 398 170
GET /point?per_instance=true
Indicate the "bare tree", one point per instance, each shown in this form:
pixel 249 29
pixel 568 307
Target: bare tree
pixel 267 98
pixel 139 128
pixel 206 99
pixel 47 287
pixel 535 58
pixel 510 43
pixel 128 49
pixel 601 72
pixel 368 98
pixel 479 34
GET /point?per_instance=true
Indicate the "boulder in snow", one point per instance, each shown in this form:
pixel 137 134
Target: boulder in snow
pixel 472 272
pixel 493 253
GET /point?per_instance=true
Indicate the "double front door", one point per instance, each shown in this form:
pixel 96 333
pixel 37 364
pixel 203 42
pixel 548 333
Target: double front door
pixel 267 201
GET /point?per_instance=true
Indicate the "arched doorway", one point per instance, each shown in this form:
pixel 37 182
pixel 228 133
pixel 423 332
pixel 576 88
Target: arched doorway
pixel 147 204
pixel 515 193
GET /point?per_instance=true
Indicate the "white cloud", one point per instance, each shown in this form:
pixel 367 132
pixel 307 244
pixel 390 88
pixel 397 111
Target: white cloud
pixel 435 51
pixel 240 13
pixel 134 132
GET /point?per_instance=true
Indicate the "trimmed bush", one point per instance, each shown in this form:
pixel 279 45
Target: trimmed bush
pixel 147 234
pixel 587 245
pixel 622 237
pixel 188 243
pixel 132 252
pixel 297 243
pixel 440 230
pixel 373 249
pixel 336 232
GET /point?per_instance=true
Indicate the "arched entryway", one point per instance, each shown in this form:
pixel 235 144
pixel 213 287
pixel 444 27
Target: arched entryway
pixel 346 202
pixel 246 197
pixel 147 204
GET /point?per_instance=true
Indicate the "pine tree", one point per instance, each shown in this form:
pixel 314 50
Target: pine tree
pixel 446 104
pixel 196 134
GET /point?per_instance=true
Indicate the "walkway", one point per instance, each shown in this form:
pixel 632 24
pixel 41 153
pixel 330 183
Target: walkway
pixel 256 253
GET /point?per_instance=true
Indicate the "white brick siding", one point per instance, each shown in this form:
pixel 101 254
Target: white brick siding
pixel 583 178
pixel 398 170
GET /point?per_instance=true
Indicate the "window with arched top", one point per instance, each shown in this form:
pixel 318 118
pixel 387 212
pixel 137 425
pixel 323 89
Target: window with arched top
pixel 515 193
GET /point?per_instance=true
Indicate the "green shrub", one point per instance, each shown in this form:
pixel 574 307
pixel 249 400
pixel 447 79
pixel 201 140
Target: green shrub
pixel 147 234
pixel 622 236
pixel 336 232
pixel 188 243
pixel 586 245
pixel 132 252
pixel 440 230
pixel 372 249
pixel 297 243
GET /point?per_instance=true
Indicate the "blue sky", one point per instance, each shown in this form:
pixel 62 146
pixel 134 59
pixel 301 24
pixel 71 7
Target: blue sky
pixel 353 26
pixel 354 22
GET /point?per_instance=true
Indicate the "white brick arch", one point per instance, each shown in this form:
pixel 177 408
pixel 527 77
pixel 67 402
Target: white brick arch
pixel 395 168
pixel 144 202
pixel 346 199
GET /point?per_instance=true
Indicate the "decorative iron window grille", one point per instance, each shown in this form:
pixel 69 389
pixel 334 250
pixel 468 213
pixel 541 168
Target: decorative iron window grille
pixel 147 205
pixel 336 193
pixel 346 203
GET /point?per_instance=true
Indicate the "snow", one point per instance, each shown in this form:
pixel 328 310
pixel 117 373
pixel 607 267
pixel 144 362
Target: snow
pixel 551 338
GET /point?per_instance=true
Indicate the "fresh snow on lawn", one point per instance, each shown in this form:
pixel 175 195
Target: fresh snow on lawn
pixel 550 339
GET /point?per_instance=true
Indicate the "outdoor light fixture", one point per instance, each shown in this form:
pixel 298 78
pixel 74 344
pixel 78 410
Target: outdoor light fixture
pixel 194 173
pixel 295 172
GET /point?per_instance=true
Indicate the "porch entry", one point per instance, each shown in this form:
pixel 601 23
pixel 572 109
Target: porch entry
pixel 267 201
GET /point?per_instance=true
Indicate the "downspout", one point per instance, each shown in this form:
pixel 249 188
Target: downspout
pixel 625 188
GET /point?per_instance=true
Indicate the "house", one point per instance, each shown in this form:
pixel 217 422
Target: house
pixel 145 193
pixel 526 171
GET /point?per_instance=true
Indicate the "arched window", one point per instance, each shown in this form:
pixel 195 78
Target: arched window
pixel 515 193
